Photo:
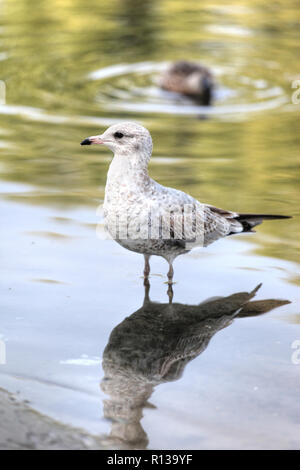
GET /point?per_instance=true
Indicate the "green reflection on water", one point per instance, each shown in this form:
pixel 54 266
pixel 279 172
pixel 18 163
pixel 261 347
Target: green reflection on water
pixel 245 162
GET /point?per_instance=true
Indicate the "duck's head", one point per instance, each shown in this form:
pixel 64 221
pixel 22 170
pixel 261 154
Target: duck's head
pixel 201 84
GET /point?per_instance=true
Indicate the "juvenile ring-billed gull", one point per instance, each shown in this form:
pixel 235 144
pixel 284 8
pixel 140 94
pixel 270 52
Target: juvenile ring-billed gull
pixel 189 78
pixel 148 218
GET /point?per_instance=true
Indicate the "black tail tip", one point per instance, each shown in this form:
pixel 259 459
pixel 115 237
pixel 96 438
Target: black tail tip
pixel 86 142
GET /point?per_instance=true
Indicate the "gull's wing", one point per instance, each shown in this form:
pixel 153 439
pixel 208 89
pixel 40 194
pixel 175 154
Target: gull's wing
pixel 191 221
pixel 202 224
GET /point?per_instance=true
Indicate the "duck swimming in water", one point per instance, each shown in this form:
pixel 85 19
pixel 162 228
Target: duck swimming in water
pixel 190 79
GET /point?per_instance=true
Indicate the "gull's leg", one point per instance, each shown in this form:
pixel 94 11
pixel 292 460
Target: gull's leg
pixel 170 278
pixel 170 273
pixel 146 269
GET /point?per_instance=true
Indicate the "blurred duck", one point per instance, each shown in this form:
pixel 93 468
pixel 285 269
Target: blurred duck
pixel 190 79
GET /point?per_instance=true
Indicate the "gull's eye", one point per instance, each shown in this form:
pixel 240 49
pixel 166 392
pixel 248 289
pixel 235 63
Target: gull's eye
pixel 118 135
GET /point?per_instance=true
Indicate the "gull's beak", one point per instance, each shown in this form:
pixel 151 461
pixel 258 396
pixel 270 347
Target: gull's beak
pixel 94 139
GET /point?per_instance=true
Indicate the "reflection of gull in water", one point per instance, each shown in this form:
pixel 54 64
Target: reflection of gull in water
pixel 148 218
pixel 153 346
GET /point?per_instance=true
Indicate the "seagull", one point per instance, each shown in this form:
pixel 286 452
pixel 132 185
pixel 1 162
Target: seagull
pixel 148 218
pixel 190 79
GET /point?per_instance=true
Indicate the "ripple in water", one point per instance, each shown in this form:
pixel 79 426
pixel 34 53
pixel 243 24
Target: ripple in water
pixel 134 88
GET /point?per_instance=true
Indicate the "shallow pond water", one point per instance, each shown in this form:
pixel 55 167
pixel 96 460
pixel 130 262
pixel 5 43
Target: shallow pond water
pixel 82 343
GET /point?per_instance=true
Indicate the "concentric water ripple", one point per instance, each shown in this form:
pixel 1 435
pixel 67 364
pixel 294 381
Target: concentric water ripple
pixel 134 88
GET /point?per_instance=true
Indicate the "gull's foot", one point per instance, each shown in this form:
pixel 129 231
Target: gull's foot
pixel 147 290
pixel 170 292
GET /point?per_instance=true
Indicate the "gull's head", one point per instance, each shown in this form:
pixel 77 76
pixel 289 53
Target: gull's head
pixel 126 138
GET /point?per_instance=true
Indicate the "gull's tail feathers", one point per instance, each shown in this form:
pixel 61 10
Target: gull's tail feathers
pixel 249 221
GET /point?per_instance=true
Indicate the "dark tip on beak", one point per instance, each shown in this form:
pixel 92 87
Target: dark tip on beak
pixel 86 142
